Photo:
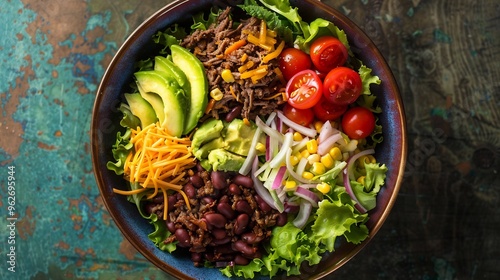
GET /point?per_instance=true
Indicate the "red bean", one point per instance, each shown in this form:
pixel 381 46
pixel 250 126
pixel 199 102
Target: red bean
pixel 207 200
pixel 171 202
pixel 226 210
pixel 251 238
pixel 216 242
pixel 183 237
pixel 171 226
pixel 243 180
pixel 197 181
pixel 196 257
pixel 234 189
pixel 239 259
pixel 234 113
pixel 262 204
pixel 219 179
pixel 281 219
pixel 190 190
pixel 215 219
pixel 241 224
pixel 223 249
pixel 243 248
pixel 219 233
pixel 243 207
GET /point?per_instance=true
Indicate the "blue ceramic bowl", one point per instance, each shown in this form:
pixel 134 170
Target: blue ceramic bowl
pixel 106 117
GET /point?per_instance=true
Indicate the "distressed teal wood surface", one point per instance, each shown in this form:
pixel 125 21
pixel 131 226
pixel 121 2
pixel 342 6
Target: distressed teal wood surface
pixel 444 55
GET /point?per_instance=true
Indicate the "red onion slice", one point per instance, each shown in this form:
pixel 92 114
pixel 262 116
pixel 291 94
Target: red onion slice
pixel 328 143
pixel 297 127
pixel 259 187
pixel 278 180
pixel 304 212
pixel 348 176
pixel 308 195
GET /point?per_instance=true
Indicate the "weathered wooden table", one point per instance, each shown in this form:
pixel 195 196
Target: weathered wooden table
pixel 445 56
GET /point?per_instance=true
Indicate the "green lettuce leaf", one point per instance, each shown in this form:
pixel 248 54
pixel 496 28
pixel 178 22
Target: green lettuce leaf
pixel 120 151
pixel 202 23
pixel 367 192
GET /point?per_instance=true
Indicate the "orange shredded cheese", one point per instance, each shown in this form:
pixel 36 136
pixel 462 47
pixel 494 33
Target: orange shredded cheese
pixel 210 106
pixel 159 162
pixel 274 54
pixel 236 45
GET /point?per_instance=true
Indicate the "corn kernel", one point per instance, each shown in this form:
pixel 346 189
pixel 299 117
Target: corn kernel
pixel 361 180
pixel 327 161
pixel 294 160
pixel 318 168
pixel 324 188
pixel 227 76
pixel 289 184
pixel 335 153
pixel 305 153
pixel 313 158
pixel 298 155
pixel 312 146
pixel 307 175
pixel 260 147
pixel 216 94
pixel 297 136
pixel 318 125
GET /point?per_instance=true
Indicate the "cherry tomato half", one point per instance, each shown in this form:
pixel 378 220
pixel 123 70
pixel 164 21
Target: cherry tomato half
pixel 328 52
pixel 342 86
pixel 327 111
pixel 292 61
pixel 358 122
pixel 303 117
pixel 304 89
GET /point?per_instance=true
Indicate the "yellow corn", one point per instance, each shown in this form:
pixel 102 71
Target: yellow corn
pixel 318 168
pixel 327 161
pixel 297 136
pixel 324 188
pixel 216 94
pixel 294 160
pixel 298 155
pixel 335 153
pixel 260 147
pixel 305 153
pixel 313 158
pixel 361 180
pixel 366 159
pixel 227 76
pixel 312 146
pixel 307 175
pixel 318 125
pixel 290 184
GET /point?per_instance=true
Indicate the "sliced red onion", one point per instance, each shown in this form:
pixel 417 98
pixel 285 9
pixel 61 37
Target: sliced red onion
pixel 307 195
pixel 280 157
pixel 297 127
pixel 268 130
pixel 252 153
pixel 328 143
pixel 293 173
pixel 348 176
pixel 259 187
pixel 278 180
pixel 308 186
pixel 291 208
pixel 268 148
pixel 304 212
pixel 300 144
pixel 271 118
pixel 326 131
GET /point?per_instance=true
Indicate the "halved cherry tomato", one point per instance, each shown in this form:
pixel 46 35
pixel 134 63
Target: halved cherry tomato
pixel 292 61
pixel 327 111
pixel 358 122
pixel 342 86
pixel 328 52
pixel 303 117
pixel 304 89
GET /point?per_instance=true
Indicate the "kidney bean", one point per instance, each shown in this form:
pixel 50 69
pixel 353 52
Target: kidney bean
pixel 243 180
pixel 190 190
pixel 243 248
pixel 158 199
pixel 224 199
pixel 207 200
pixel 234 189
pixel 217 242
pixel 251 238
pixel 226 210
pixel 170 226
pixel 216 219
pixel 241 223
pixel 243 207
pixel 239 259
pixel 197 181
pixel 234 113
pixel 262 204
pixel 205 225
pixel 281 219
pixel 149 207
pixel 196 257
pixel 219 179
pixel 183 237
pixel 172 199
pixel 219 233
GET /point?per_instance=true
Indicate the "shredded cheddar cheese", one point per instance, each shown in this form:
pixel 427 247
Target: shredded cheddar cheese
pixel 158 162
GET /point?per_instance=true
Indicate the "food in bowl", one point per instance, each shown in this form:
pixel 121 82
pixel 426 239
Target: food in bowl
pixel 239 153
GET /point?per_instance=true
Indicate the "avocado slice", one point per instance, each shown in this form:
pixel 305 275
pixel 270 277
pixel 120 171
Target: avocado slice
pixel 155 101
pixel 174 99
pixel 238 137
pixel 223 160
pixel 141 109
pixel 167 66
pixel 195 73
pixel 209 130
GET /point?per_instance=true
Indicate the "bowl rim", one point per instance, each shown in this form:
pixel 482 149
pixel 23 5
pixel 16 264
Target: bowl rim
pixel 340 20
